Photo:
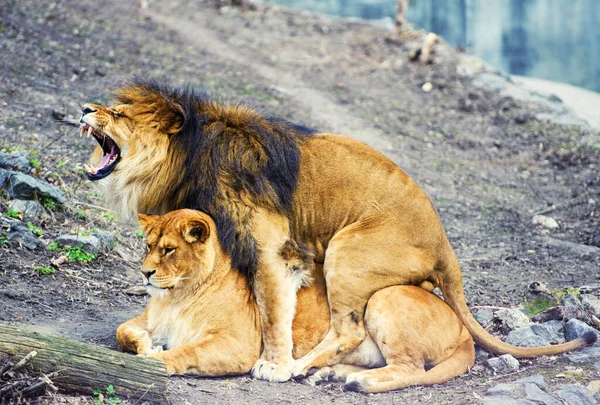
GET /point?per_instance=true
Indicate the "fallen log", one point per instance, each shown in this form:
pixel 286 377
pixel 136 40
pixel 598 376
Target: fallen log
pixel 85 367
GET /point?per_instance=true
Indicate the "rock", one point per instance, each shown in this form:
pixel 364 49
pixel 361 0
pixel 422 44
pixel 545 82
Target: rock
pixel 575 394
pixel 590 289
pixel 535 394
pixel 574 329
pixel 585 355
pixel 23 186
pixel 427 87
pixel 481 354
pixel 536 379
pixel 18 160
pixel 484 317
pixel 590 304
pixel 552 331
pixel 501 400
pixel 552 313
pixel 107 240
pixel 136 290
pixel 544 221
pixel 511 319
pixel 573 307
pixel 90 244
pixel 29 208
pixel 594 387
pixel 19 232
pixel 507 389
pixel 526 337
pixel 502 364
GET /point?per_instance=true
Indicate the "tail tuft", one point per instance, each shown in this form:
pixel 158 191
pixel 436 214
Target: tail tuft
pixel 590 337
pixel 354 386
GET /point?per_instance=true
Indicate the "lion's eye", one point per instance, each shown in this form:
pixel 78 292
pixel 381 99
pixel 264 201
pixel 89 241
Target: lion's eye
pixel 168 250
pixel 148 247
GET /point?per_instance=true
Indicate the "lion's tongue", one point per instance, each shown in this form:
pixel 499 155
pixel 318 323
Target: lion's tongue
pixel 106 158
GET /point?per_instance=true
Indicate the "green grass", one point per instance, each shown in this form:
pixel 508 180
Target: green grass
pixel 33 161
pixel 73 253
pixel 542 303
pixel 49 203
pixel 139 234
pixel 111 216
pixel 3 239
pixel 13 214
pixel 108 397
pixel 81 214
pixel 44 271
pixel 36 230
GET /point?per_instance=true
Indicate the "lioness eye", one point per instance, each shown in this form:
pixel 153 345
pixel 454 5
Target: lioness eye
pixel 148 247
pixel 168 250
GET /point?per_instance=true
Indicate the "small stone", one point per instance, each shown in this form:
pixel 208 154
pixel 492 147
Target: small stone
pixel 534 393
pixel 502 400
pixel 536 379
pixel 544 221
pixel 107 240
pixel 427 87
pixel 526 337
pixel 573 307
pixel 484 317
pixel 23 186
pixel 575 394
pixel 552 313
pixel 585 355
pixel 29 208
pixel 575 329
pixel 18 160
pixel 590 289
pixel 90 244
pixel 502 364
pixel 511 319
pixel 508 389
pixel 591 304
pixel 594 387
pixel 19 232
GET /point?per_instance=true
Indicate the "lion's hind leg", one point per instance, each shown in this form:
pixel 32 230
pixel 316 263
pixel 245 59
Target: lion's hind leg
pixel 397 376
pixel 336 373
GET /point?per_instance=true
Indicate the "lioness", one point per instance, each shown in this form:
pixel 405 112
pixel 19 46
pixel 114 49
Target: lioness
pixel 265 180
pixel 204 312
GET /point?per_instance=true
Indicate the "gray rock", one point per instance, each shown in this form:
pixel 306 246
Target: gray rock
pixel 552 331
pixel 575 394
pixel 585 355
pixel 536 379
pixel 546 222
pixel 29 208
pixel 502 364
pixel 507 389
pixel 534 393
pixel 107 240
pixel 526 337
pixel 575 329
pixel 501 400
pixel 18 232
pixel 18 160
pixel 590 289
pixel 23 186
pixel 484 317
pixel 511 319
pixel 591 303
pixel 573 307
pixel 90 244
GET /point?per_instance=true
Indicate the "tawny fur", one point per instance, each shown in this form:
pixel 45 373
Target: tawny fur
pixel 208 318
pixel 266 181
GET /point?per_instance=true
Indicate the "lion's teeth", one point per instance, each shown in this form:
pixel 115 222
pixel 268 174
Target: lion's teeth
pixel 90 130
pixel 81 131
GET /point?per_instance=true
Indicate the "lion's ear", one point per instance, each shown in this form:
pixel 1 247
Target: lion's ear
pixel 147 221
pixel 196 230
pixel 171 118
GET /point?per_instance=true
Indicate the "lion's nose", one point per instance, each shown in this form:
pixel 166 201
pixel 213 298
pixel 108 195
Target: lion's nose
pixel 148 273
pixel 87 109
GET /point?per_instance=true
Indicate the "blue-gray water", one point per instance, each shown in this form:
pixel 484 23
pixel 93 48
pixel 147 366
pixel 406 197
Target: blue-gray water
pixel 550 39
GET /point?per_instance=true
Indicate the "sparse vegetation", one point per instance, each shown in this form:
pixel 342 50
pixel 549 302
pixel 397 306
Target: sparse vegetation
pixel 111 216
pixel 36 230
pixel 73 253
pixel 81 214
pixel 12 214
pixel 33 161
pixel 44 271
pixel 108 397
pixel 49 203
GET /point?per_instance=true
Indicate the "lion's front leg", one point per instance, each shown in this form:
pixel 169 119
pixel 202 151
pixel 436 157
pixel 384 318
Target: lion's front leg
pixel 275 292
pixel 133 336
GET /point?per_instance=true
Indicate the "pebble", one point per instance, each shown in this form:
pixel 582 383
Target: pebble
pixel 591 303
pixel 29 208
pixel 502 364
pixel 19 232
pixel 575 329
pixel 594 387
pixel 427 87
pixel 484 317
pixel 575 394
pixel 573 307
pixel 511 319
pixel 585 355
pixel 546 222
pixel 536 379
pixel 18 160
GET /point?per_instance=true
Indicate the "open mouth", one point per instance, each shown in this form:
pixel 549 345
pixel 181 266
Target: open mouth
pixel 111 154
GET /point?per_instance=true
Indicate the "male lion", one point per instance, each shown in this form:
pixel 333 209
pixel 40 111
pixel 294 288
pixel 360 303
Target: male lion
pixel 265 180
pixel 203 311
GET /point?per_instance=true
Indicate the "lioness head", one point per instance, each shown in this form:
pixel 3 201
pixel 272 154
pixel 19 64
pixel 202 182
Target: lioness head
pixel 182 249
pixel 137 124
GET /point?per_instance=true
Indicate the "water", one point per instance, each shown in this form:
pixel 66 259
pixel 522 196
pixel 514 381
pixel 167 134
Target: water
pixel 550 39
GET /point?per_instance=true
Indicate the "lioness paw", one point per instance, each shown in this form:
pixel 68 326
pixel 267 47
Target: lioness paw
pixel 270 371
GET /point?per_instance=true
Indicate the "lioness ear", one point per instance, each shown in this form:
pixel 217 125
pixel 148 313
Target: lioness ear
pixel 146 221
pixel 196 230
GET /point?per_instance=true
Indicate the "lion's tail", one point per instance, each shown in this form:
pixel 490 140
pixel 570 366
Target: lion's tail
pixel 450 282
pixel 396 376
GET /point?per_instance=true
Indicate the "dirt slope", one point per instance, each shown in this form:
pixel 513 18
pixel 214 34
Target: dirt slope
pixel 486 162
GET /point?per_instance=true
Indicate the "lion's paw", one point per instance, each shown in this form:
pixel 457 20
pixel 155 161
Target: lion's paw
pixel 271 371
pixel 321 376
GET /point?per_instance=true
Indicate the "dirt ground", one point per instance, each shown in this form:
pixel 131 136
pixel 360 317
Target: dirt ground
pixel 488 164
